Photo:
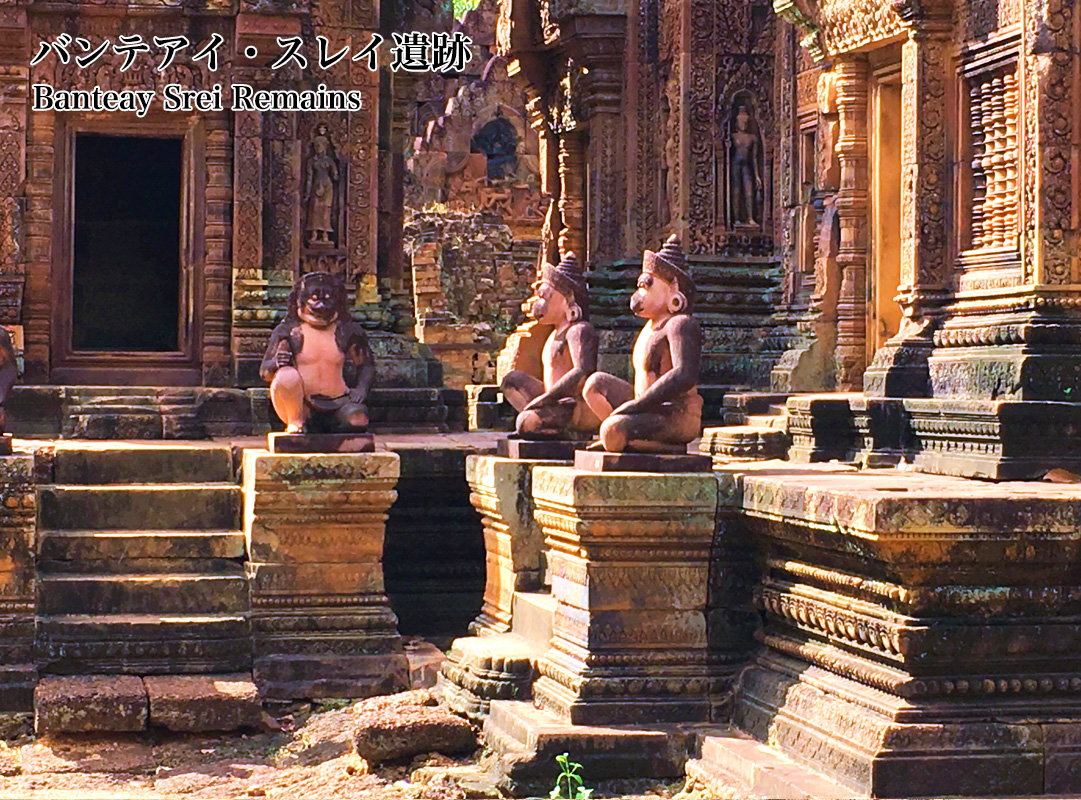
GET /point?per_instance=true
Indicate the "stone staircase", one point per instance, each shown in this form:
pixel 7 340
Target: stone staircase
pixel 141 563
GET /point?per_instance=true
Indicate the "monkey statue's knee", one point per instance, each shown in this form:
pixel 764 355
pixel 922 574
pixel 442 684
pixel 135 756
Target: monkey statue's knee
pixel 516 388
pixel 528 422
pixel 287 397
pixel 595 397
pixel 287 381
pixel 614 433
pixel 354 416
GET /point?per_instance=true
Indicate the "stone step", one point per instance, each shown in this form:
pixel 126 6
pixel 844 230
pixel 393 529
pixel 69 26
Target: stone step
pixel 120 546
pixel 118 703
pixel 531 618
pixel 140 507
pixel 142 644
pixel 83 464
pixel 140 593
pixel 732 764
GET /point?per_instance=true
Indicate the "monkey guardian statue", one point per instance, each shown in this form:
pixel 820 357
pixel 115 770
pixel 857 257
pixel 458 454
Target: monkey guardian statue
pixel 318 362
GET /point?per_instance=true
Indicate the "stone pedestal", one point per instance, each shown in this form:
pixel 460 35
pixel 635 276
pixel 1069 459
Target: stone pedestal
pixel 821 427
pixel 18 508
pixel 501 491
pixel 629 559
pixel 921 636
pixel 321 623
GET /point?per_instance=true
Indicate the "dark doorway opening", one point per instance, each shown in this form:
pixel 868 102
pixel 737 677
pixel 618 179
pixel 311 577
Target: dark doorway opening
pixel 126 274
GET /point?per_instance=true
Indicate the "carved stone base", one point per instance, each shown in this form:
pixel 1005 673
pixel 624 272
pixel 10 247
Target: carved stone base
pixel 480 669
pixel 321 443
pixel 822 720
pixel 1000 440
pixel 629 557
pixel 600 461
pixel 899 369
pixel 321 624
pixel 919 631
pixel 743 442
pixel 502 493
pixel 882 430
pixel 821 427
pixel 539 449
pixel 526 741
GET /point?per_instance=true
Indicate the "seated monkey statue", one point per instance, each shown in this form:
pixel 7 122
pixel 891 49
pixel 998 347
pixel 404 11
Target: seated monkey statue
pixel 662 411
pixel 318 361
pixel 553 407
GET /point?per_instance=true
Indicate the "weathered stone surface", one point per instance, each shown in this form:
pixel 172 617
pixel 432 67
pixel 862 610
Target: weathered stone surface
pixel 733 764
pixel 915 626
pixel 479 669
pixel 321 443
pixel 100 753
pixel 105 463
pixel 502 494
pixel 88 703
pixel 321 626
pixel 629 560
pixel 402 731
pixel 538 450
pixel 143 593
pixel 203 702
pixel 138 507
pixel 527 740
pixel 594 461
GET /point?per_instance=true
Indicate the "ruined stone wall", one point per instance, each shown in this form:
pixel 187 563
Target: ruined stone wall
pixel 471 274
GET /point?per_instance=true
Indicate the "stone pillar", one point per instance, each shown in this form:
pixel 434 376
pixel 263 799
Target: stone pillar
pixel 629 556
pixel 852 210
pixel 321 623
pixel 501 491
pixel 899 368
pixel 572 161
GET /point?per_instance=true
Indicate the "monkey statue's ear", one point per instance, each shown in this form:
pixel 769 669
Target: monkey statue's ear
pixel 677 303
pixel 574 312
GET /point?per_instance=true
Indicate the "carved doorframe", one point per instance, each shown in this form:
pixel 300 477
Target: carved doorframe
pixel 177 368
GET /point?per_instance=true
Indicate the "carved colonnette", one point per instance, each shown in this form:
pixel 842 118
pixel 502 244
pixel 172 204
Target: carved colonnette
pixel 914 628
pixel 321 623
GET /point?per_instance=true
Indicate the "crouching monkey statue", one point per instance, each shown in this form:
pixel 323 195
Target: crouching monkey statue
pixel 554 408
pixel 662 411
pixel 318 362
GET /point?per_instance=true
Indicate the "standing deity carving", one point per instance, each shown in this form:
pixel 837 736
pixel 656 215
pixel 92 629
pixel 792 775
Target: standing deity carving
pixel 745 169
pixel 320 189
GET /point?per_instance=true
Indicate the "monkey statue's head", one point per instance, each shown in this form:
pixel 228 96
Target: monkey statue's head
pixel 319 298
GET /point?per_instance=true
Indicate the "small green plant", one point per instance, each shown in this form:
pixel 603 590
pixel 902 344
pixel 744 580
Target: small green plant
pixel 569 784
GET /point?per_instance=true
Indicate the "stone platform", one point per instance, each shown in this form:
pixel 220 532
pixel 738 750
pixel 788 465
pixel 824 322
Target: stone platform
pixel 921 634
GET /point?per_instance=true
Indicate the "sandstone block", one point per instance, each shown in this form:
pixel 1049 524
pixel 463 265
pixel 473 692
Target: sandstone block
pixel 203 702
pixel 90 703
pixel 397 732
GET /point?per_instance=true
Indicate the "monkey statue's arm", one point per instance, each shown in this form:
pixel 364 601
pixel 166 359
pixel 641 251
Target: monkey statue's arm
pixel 270 365
pixel 685 345
pixel 358 353
pixel 582 344
pixel 8 368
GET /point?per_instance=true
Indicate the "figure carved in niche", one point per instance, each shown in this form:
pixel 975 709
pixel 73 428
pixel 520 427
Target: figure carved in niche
pixel 318 361
pixel 320 189
pixel 498 140
pixel 745 173
pixel 662 411
pixel 554 407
